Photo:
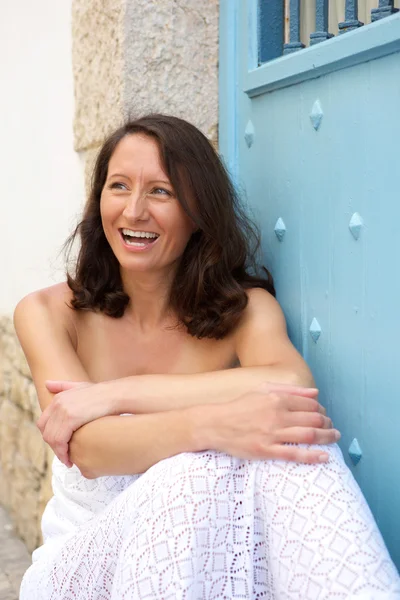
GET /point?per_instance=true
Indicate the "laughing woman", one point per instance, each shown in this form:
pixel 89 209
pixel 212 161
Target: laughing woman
pixel 193 460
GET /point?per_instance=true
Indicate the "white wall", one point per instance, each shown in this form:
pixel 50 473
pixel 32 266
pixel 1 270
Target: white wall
pixel 41 177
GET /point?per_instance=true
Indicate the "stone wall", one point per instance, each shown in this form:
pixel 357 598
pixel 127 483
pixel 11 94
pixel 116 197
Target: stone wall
pixel 136 56
pixel 171 60
pixel 129 57
pixel 25 459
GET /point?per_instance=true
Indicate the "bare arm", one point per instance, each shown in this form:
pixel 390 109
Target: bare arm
pixel 118 444
pixel 190 402
pixel 45 338
pixel 126 444
pixel 144 394
pixel 121 445
pixel 265 354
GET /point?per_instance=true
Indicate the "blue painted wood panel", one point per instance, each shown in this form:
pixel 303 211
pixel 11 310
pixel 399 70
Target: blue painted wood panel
pixel 315 180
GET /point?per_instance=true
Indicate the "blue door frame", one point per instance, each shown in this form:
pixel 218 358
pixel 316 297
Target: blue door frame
pixel 311 138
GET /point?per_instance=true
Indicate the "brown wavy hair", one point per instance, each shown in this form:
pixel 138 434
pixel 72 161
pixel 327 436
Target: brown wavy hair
pixel 219 262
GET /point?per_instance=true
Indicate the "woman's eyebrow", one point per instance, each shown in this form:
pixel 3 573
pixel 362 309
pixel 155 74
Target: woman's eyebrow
pixel 118 175
pixel 150 181
pixel 159 181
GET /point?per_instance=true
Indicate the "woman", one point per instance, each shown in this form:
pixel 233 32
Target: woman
pixel 177 475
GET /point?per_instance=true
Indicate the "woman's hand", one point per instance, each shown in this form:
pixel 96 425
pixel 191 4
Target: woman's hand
pixel 74 405
pixel 258 425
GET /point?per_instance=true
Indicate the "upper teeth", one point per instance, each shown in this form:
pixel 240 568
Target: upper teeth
pixel 142 234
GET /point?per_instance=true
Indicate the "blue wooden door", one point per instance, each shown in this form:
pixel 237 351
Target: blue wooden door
pixel 312 139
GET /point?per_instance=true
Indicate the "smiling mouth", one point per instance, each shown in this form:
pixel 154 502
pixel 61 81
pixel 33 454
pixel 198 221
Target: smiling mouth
pixel 138 239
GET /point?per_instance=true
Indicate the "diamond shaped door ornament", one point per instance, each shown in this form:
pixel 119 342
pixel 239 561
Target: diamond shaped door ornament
pixel 355 451
pixel 355 225
pixel 249 134
pixel 316 115
pixel 280 229
pixel 315 330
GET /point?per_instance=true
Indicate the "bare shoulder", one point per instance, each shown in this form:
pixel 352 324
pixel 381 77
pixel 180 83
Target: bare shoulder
pixel 262 338
pixel 46 334
pixel 51 303
pixel 52 296
pixel 260 298
pixel 262 310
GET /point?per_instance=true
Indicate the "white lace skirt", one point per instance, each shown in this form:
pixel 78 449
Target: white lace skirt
pixel 203 526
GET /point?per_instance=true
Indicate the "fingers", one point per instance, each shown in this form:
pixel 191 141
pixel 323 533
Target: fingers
pixel 297 390
pixel 62 455
pixel 302 403
pixel 61 451
pixel 307 435
pixel 299 455
pixel 58 442
pixel 55 387
pixel 294 398
pixel 41 422
pixel 307 419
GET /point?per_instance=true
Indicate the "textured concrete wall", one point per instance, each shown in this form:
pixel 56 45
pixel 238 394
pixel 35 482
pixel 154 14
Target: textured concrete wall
pixel 25 459
pixel 129 57
pixel 171 60
pixel 136 56
pixel 97 57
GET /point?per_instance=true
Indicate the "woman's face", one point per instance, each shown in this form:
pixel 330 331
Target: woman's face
pixel 142 219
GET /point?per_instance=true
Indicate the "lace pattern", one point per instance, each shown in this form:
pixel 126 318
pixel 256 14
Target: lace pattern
pixel 207 526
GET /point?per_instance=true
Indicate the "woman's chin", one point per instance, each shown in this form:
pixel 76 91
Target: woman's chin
pixel 138 266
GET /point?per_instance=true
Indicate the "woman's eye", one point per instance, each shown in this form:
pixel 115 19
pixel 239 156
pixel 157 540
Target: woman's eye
pixel 117 186
pixel 161 191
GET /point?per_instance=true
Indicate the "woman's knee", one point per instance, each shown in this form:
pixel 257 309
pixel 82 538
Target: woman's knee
pixel 193 477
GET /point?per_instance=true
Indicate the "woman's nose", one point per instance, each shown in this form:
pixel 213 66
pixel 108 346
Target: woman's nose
pixel 136 207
